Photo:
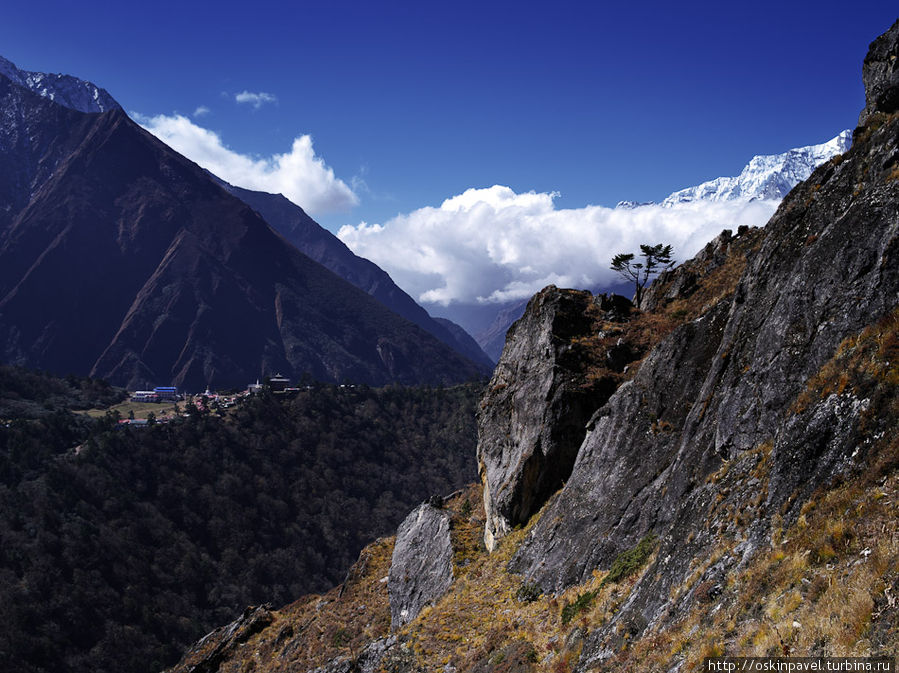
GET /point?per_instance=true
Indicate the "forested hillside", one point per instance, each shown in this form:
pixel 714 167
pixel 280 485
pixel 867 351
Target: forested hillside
pixel 121 546
pixel 27 394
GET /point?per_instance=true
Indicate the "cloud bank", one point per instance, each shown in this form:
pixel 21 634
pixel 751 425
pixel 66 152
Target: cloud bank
pixel 257 100
pixel 494 245
pixel 299 174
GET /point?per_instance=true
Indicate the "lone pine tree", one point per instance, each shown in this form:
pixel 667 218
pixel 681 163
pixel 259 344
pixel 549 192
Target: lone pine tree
pixel 656 258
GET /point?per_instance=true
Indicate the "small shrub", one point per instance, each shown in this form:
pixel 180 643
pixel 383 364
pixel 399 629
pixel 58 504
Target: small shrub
pixel 528 592
pixel 580 604
pixel 817 588
pixel 825 553
pixel 340 638
pixel 630 561
pixel 707 592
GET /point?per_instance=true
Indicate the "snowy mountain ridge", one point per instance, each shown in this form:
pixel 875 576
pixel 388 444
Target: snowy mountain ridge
pixel 769 176
pixel 66 90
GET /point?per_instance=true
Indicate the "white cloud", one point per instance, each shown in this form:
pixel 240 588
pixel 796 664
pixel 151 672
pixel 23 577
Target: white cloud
pixel 201 111
pixel 494 245
pixel 257 100
pixel 299 174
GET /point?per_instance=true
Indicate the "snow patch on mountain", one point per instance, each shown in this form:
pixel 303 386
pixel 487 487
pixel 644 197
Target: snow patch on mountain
pixel 769 176
pixel 65 90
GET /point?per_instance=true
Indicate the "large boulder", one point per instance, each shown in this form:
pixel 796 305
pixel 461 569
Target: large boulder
pixel 369 660
pixel 421 570
pixel 533 414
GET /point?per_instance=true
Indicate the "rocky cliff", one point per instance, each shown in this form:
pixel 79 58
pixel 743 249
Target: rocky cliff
pixel 732 488
pixel 543 392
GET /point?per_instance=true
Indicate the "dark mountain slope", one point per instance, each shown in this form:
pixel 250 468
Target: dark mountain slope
pixel 122 259
pixel 34 134
pixel 329 251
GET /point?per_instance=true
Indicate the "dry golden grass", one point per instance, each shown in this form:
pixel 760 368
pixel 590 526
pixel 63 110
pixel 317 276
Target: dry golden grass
pixel 485 612
pixel 713 287
pixel 782 603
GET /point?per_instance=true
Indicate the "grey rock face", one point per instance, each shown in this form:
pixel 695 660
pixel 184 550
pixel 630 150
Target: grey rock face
pixel 721 387
pixel 812 446
pixel 614 494
pixel 421 569
pixel 231 637
pixel 367 661
pixel 533 414
pixel 881 75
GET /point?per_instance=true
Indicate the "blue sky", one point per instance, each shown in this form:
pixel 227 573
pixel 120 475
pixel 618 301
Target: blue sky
pixel 412 103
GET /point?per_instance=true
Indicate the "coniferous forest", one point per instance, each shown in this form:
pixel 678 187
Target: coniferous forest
pixel 121 546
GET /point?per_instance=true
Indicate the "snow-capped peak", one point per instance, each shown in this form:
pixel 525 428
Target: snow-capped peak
pixel 768 176
pixel 65 90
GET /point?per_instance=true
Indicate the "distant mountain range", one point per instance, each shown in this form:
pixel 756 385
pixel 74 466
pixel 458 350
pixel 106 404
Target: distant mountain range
pixel 121 259
pixel 66 90
pixel 768 176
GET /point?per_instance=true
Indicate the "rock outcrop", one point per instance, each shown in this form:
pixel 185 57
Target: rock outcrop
pixel 533 415
pixel 722 387
pixel 683 280
pixel 224 642
pixel 421 569
pixel 880 74
pixel 368 661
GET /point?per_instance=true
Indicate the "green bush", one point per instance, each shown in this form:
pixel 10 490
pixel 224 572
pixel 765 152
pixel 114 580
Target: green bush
pixel 528 592
pixel 630 561
pixel 580 604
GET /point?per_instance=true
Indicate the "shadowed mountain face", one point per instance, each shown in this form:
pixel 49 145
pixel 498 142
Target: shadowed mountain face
pixel 325 248
pixel 121 259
